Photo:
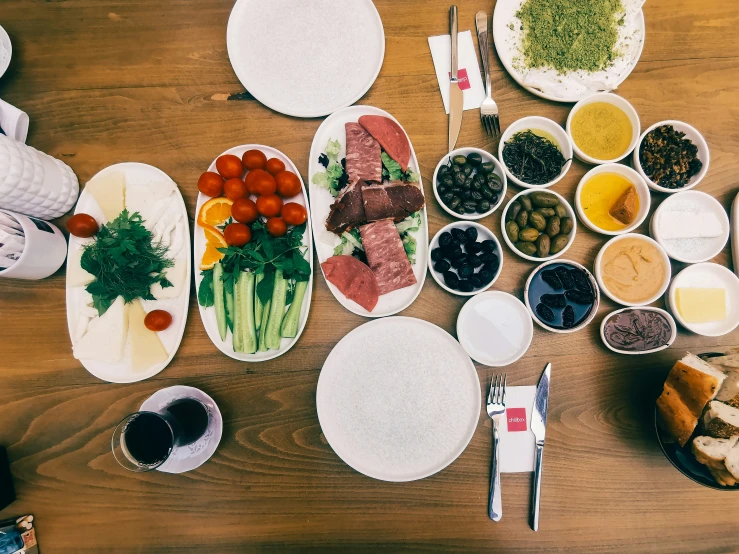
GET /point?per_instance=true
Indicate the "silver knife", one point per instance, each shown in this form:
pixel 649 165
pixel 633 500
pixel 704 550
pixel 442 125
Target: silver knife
pixel 456 98
pixel 538 427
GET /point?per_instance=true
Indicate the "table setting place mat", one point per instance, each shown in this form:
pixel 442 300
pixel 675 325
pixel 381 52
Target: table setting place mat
pixel 517 443
pixel 470 80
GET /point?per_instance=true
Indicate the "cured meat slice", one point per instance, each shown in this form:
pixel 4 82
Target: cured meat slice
pixel 391 137
pixel 386 256
pixel 362 154
pixel 396 200
pixel 347 210
pixel 354 279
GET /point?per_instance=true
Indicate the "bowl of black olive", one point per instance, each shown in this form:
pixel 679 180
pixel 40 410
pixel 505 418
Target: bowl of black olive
pixel 469 183
pixel 465 258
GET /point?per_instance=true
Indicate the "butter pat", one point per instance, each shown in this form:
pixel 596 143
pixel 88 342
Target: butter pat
pixel 147 349
pixel 108 191
pixel 701 305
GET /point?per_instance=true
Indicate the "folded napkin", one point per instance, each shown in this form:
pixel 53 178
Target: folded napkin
pixel 517 442
pixel 13 122
pixel 470 80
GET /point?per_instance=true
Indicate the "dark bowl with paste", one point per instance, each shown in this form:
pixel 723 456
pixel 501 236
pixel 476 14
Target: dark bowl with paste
pixel 638 330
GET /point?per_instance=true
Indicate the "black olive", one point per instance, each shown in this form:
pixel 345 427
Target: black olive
pixel 456 168
pixel 550 277
pixel 442 266
pixel 545 313
pixel 474 260
pixel 451 279
pixel 487 192
pixel 565 276
pixel 437 254
pixel 465 271
pixel 582 283
pixel 554 301
pixel 448 180
pixel 454 203
pixel 470 206
pixel 468 181
pixel 447 197
pixel 488 167
pixel 471 233
pixel 455 253
pixel 460 209
pixel 458 262
pixel 457 190
pixel 483 206
pixel 486 275
pixel 444 170
pixel 568 317
pixel 494 199
pixel 467 169
pixel 495 183
pixel 474 158
pixel 473 247
pixel 466 194
pixel 459 178
pixel 441 189
pixel 476 196
pixel 488 257
pixel 489 245
pixel 445 238
pixel 459 234
pixel 479 182
pixel 465 285
pixel 493 266
pixel 579 297
pixel 476 281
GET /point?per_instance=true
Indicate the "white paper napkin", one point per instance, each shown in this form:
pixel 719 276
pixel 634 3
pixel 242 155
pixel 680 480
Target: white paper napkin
pixel 13 122
pixel 470 80
pixel 517 442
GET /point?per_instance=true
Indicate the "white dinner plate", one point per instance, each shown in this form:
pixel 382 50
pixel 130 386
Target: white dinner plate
pixel 320 202
pixel 306 58
pixel 398 399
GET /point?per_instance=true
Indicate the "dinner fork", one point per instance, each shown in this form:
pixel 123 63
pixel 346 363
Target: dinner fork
pixel 488 108
pixel 496 411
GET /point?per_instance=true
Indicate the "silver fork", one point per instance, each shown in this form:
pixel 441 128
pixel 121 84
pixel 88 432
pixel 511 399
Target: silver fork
pixel 488 108
pixel 496 409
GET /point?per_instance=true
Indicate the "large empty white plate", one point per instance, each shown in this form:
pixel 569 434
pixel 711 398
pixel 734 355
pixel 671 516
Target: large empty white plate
pixel 398 399
pixel 306 58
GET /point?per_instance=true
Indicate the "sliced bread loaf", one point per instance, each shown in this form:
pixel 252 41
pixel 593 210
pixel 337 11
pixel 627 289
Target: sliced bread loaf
pixel 711 451
pixel 721 420
pixel 732 461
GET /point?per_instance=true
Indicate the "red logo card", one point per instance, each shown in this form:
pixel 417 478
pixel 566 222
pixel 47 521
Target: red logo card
pixel 464 82
pixel 516 419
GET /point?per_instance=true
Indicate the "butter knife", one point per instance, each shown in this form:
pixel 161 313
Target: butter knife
pixel 538 427
pixel 456 98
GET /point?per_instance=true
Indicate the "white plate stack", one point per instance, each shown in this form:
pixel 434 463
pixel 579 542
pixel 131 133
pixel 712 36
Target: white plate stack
pixel 34 183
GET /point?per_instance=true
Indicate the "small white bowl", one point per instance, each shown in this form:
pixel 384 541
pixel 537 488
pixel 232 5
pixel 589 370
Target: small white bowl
pixel 705 248
pixel 708 275
pixel 599 273
pixel 535 123
pixel 621 103
pixel 570 213
pixel 694 136
pixel 6 51
pixel 593 310
pixel 641 187
pixel 483 233
pixel 486 157
pixel 667 316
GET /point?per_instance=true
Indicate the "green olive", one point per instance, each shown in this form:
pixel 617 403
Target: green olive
pixel 558 243
pixel 543 199
pixel 553 226
pixel 522 218
pixel 511 229
pixel 529 234
pixel 537 221
pixel 565 225
pixel 525 202
pixel 546 212
pixel 560 210
pixel 459 160
pixel 528 248
pixel 543 246
pixel 513 210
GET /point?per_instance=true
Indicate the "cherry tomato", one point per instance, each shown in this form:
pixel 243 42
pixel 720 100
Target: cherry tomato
pixel 288 184
pixel 254 159
pixel 237 234
pixel 264 183
pixel 235 188
pixel 210 184
pixel 276 226
pixel 294 214
pixel 251 179
pixel 82 225
pixel 269 205
pixel 274 166
pixel 158 320
pixel 229 166
pixel 244 210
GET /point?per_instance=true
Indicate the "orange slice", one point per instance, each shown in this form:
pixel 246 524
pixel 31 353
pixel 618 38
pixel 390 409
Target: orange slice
pixel 215 211
pixel 215 240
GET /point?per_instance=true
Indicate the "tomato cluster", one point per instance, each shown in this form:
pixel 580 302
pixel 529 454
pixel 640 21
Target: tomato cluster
pixel 258 193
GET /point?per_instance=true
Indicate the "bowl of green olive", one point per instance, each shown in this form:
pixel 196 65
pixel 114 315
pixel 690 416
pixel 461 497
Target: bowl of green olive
pixel 469 183
pixel 538 225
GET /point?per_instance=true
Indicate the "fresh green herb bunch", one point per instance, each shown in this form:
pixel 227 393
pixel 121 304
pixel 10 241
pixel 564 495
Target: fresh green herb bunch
pixel 125 262
pixel 532 158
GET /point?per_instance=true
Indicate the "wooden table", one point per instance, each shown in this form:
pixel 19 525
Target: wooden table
pixel 107 81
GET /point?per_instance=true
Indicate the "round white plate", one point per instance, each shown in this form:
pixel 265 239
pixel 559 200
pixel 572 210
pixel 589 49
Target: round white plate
pixel 191 456
pixel 495 328
pixel 573 86
pixel 398 399
pixel 306 58
pixel 320 201
pixel 6 50
pixel 208 315
pixel 136 173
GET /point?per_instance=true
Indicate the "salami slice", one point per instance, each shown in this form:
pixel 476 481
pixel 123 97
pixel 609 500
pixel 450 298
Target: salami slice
pixel 386 256
pixel 362 154
pixel 391 137
pixel 354 279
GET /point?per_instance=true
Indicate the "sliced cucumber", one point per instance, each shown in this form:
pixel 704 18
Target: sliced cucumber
pixel 258 306
pixel 291 321
pixel 277 311
pixel 238 333
pixel 246 312
pixel 263 330
pixel 218 301
pixel 229 296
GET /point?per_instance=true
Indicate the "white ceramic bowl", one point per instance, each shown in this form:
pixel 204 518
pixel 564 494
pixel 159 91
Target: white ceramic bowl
pixel 6 51
pixel 667 316
pixel 599 273
pixel 483 233
pixel 535 122
pixel 690 133
pixel 640 185
pixel 621 103
pixel 486 157
pixel 570 213
pixel 593 311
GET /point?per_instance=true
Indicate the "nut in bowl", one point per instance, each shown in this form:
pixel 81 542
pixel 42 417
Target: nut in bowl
pixel 469 183
pixel 465 258
pixel 538 225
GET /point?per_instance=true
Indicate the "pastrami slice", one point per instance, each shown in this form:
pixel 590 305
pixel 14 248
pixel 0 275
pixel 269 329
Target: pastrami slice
pixel 391 137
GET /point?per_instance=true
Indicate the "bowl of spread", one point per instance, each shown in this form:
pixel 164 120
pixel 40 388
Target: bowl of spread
pixel 632 269
pixel 638 330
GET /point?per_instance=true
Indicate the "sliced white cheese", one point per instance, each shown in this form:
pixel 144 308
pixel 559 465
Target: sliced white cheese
pixel 147 349
pixel 109 193
pixel 150 200
pixel 76 276
pixel 176 275
pixel 689 225
pixel 105 338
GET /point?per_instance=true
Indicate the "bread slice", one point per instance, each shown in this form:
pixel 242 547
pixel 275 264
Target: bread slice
pixel 729 391
pixel 722 476
pixel 721 420
pixel 690 385
pixel 711 451
pixel 732 461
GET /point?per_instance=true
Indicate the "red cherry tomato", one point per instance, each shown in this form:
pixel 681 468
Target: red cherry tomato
pixel 274 166
pixel 244 210
pixel 288 184
pixel 294 214
pixel 276 226
pixel 251 179
pixel 264 183
pixel 269 205
pixel 229 166
pixel 158 320
pixel 237 234
pixel 235 188
pixel 254 159
pixel 82 225
pixel 210 184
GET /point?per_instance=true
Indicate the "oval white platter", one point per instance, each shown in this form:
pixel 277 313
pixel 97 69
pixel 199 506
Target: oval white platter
pixel 136 174
pixel 333 128
pixel 208 315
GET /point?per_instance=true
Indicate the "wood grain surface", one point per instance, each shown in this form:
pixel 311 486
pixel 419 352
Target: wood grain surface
pixel 107 81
